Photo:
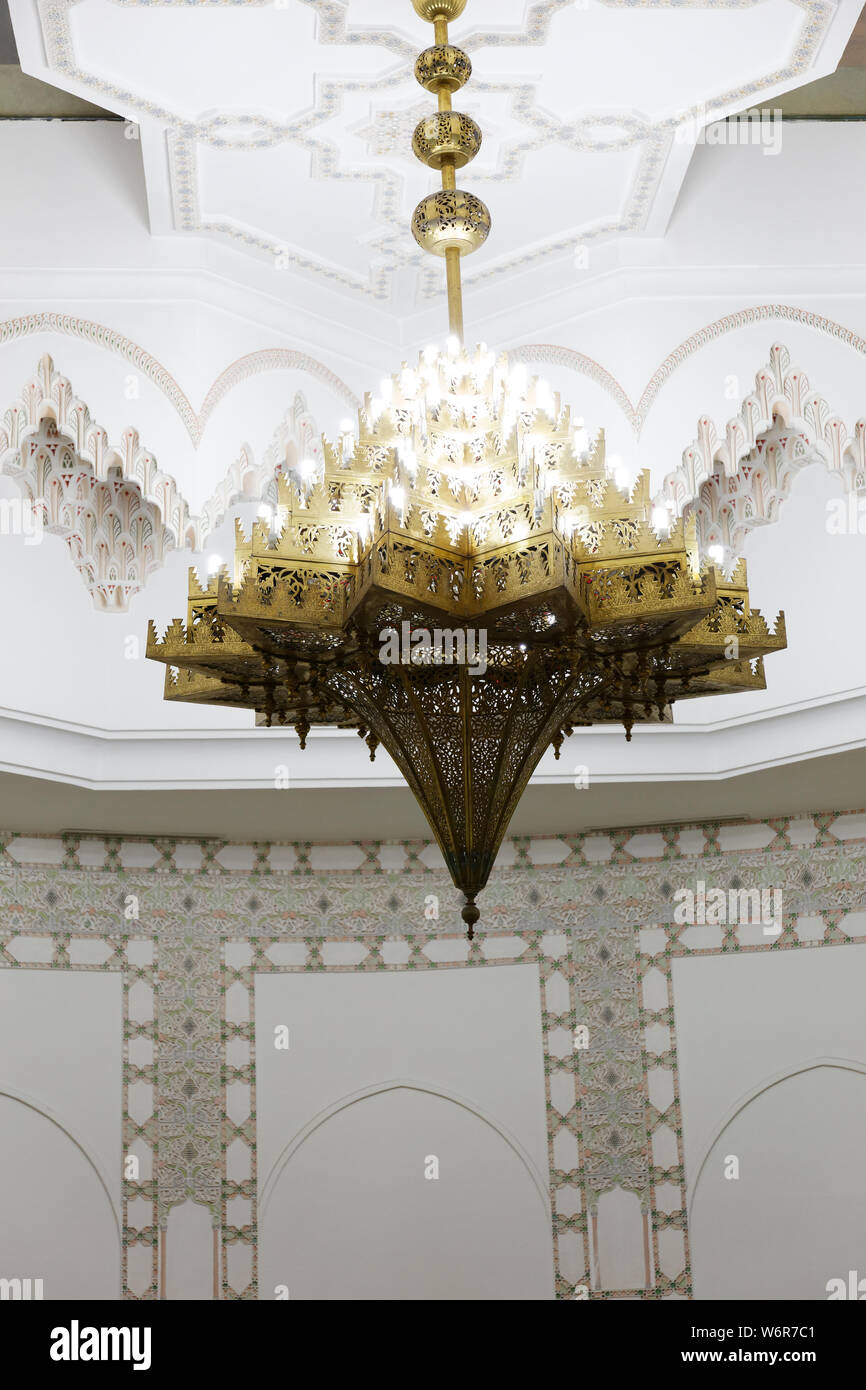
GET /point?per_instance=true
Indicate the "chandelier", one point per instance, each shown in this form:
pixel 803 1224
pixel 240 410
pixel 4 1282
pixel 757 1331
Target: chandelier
pixel 462 580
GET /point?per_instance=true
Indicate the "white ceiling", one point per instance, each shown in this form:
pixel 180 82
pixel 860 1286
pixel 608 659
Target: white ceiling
pixel 283 129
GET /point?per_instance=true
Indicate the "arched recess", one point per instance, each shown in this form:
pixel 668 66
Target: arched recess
pixel 264 360
pixel 636 415
pixel 786 1206
pixel 735 479
pixel 352 1208
pixel 116 538
pixel 59 1231
pixel 117 510
pixel 353 1098
pixel 842 1063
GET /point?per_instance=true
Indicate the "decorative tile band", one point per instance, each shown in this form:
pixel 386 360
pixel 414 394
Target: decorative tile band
pixel 191 923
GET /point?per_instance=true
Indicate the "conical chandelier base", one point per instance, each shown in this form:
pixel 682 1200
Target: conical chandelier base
pixel 467 737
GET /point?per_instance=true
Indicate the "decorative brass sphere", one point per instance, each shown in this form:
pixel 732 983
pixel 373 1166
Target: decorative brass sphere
pixel 443 68
pixel 447 135
pixel 431 10
pixel 451 220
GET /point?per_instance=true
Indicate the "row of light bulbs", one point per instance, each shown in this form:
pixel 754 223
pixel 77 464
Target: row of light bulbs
pixel 517 382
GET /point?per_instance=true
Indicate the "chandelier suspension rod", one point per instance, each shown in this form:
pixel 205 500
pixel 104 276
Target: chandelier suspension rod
pixel 453 275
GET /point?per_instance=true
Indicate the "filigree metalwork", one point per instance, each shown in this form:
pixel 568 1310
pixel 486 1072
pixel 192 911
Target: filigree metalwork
pixel 446 516
pixel 451 221
pixel 447 135
pixel 472 510
pixel 443 67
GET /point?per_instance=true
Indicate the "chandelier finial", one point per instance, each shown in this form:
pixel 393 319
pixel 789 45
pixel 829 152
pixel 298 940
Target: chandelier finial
pixel 470 914
pixel 451 223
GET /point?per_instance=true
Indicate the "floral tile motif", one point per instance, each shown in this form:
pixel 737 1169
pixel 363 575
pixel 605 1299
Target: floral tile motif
pixel 600 924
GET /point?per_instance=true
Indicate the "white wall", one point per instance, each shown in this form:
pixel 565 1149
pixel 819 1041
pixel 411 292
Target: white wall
pixel 772 1063
pixel 60 1130
pixel 345 1208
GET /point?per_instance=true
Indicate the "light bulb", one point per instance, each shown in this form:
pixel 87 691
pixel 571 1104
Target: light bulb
pixel 466 518
pixel 621 475
pixel 453 345
pixel 660 519
pixel 716 553
pixel 544 397
pixel 431 354
pixel 265 513
pixel 519 379
pixel 398 497
pixel 308 468
pixel 214 564
pixel 386 389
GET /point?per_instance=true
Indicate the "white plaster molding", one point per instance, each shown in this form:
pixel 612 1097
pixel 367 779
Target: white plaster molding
pixel 214 759
pixel 195 422
pixel 539 354
pixel 49 396
pixel 390 251
pixel 115 536
pixel 114 507
pixel 734 482
pixel 295 437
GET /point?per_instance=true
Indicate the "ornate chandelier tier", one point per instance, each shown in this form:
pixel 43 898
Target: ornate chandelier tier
pixel 464 583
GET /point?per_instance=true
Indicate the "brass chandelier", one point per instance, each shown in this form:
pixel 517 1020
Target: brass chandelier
pixel 471 507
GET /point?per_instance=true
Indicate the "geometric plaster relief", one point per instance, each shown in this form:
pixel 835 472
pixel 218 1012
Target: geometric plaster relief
pixel 116 538
pixel 117 512
pixel 194 422
pixel 551 354
pixel 49 396
pixel 311 79
pixel 733 483
pixel 296 437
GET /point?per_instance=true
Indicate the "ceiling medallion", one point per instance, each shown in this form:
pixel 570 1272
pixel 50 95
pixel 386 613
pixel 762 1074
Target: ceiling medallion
pixel 464 582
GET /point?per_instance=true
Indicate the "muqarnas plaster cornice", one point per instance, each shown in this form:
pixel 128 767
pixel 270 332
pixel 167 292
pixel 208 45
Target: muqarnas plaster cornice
pixel 736 480
pixel 118 512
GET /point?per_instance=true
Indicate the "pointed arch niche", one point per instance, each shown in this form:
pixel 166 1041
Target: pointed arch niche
pixel 772 1066
pixel 430 1184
